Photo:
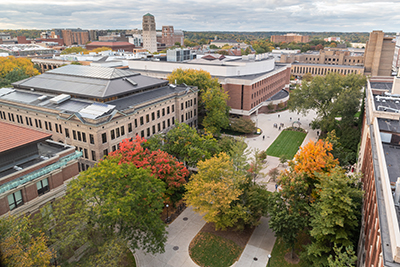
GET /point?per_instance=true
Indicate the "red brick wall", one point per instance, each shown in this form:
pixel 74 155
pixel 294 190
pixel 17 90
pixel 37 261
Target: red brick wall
pixel 257 92
pixel 370 211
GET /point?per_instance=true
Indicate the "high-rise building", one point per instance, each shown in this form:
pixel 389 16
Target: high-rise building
pixel 149 33
pixel 379 54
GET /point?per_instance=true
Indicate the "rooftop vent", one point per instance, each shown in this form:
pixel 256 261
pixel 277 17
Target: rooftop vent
pixel 17 168
pixel 60 98
pixel 41 98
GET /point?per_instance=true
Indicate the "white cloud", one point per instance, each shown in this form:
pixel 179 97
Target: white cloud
pixel 205 15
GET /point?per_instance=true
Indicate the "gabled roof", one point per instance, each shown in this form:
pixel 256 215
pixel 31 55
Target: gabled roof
pixel 148 14
pixel 89 82
pixel 13 136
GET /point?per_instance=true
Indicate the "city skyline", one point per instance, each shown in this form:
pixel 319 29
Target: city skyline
pixel 270 15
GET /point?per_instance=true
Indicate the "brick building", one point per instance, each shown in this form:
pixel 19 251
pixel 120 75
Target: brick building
pixel 149 33
pixel 33 169
pixel 379 154
pixel 290 37
pixel 94 108
pixel 74 36
pixel 379 54
pixel 251 81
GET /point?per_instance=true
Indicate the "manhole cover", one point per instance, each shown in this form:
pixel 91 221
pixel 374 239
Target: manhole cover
pixel 255 259
pixel 185 218
pixel 175 248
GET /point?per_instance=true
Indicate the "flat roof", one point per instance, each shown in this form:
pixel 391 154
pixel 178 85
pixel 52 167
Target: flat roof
pixel 13 136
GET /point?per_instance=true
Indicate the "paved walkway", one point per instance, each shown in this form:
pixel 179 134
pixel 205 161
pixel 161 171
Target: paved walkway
pixel 184 228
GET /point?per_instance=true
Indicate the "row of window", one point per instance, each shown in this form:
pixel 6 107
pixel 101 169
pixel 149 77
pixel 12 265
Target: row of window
pixel 335 59
pixel 322 71
pixel 267 88
pixel 15 199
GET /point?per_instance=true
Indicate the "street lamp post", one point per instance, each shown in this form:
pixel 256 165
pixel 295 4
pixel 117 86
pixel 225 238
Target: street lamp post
pixel 269 259
pixel 167 212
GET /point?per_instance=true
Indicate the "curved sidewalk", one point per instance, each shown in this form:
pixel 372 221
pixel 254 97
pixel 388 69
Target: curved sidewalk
pixel 182 231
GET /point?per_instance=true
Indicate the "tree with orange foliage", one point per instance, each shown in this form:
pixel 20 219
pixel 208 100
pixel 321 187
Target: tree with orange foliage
pixel 161 164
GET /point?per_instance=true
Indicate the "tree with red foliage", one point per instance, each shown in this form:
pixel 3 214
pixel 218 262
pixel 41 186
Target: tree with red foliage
pixel 161 164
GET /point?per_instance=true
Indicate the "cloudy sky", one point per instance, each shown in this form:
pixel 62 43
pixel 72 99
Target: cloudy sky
pixel 204 15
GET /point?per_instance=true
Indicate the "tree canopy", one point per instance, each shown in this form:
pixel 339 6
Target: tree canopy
pixel 21 246
pixel 331 96
pixel 213 111
pixel 112 203
pixel 161 164
pixel 15 69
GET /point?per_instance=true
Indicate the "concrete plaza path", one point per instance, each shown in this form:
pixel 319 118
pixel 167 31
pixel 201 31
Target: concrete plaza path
pixel 184 228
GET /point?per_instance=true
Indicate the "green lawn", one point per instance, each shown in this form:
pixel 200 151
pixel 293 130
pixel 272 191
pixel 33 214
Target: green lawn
pixel 287 143
pixel 213 251
pixel 278 254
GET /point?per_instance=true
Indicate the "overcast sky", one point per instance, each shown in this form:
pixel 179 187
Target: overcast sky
pixel 204 15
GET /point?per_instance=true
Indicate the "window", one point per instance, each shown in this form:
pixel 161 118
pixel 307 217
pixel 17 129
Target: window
pixel 84 137
pixel 173 120
pixel 79 136
pixel 93 155
pixel 112 134
pixel 148 131
pixel 117 131
pixel 186 104
pixel 45 124
pixel 74 134
pixel 142 133
pixel 195 99
pixel 50 126
pixel 114 148
pixel 159 127
pixel 182 118
pixel 36 122
pixel 195 112
pixel 104 137
pixel 56 126
pixel 158 114
pixel 15 200
pixel 66 133
pixel 40 123
pixel 135 123
pixel 141 120
pixel 168 123
pixel 105 152
pixel 147 118
pixel 163 111
pixel 181 106
pixel 122 130
pixel 153 117
pixel 85 153
pixel 91 138
pixel 154 129
pixel 167 110
pixel 43 187
pixel 173 108
pixel 163 125
pixel 129 127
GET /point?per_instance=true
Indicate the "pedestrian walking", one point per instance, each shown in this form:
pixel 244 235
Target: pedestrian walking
pixel 276 187
pixel 263 137
pixel 290 118
pixel 279 115
pixel 279 128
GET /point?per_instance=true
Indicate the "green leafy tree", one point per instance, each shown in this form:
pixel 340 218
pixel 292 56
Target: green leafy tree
pixel 213 111
pixel 110 203
pixel 331 96
pixel 335 214
pixel 242 125
pixel 188 146
pixel 287 215
pixel 346 258
pixel 215 100
pixel 21 246
pixel 225 194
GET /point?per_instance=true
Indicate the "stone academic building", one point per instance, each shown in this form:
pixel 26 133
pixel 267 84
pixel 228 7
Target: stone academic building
pixel 95 108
